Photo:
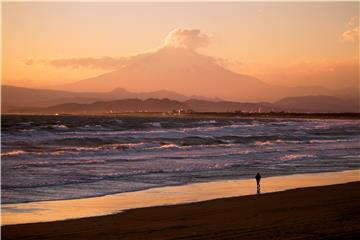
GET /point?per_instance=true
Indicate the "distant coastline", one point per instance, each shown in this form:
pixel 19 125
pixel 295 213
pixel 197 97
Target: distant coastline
pixel 37 101
pixel 299 115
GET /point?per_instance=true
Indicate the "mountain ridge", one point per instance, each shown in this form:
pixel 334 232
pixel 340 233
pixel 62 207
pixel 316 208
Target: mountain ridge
pixel 29 97
pixel 291 104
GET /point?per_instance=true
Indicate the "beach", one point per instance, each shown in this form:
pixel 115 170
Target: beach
pixel 326 212
pixel 97 177
pixel 57 210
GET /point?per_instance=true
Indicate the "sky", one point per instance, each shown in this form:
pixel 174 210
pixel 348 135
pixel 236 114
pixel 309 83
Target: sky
pixel 281 43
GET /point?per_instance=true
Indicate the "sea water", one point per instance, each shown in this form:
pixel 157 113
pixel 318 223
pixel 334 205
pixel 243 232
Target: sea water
pixel 68 157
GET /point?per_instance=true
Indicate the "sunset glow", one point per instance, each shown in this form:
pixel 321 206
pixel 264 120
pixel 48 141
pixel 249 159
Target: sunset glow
pixel 200 119
pixel 48 44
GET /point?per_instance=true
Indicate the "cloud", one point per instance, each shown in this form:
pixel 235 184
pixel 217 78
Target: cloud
pixel 102 62
pixel 352 34
pixel 352 22
pixel 229 64
pixel 89 62
pixel 187 38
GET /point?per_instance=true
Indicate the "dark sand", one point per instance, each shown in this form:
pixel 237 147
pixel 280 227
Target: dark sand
pixel 330 212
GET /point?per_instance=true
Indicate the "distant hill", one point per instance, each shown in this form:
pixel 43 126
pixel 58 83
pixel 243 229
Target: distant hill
pixel 318 104
pixel 125 105
pixel 225 106
pixel 325 104
pixel 28 97
pixel 26 100
pixel 138 105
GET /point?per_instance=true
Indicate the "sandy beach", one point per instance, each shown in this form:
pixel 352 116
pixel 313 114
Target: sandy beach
pixel 48 211
pixel 327 212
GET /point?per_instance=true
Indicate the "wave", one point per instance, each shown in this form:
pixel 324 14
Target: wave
pixel 207 122
pixel 263 143
pixel 155 124
pixel 113 143
pixel 248 139
pixel 95 127
pixel 59 126
pixel 328 140
pixel 80 141
pixel 195 140
pixel 25 123
pixel 117 121
pixel 13 153
pixel 86 149
pixel 57 182
pixel 279 141
pixel 54 163
pixel 102 148
pixel 27 130
pixel 129 142
pixel 91 155
pixel 290 157
pixel 170 145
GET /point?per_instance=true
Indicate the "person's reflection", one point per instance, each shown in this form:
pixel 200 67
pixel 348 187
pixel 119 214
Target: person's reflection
pixel 258 178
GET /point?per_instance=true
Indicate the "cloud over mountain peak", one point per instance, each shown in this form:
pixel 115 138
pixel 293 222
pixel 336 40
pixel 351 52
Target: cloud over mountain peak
pixel 187 38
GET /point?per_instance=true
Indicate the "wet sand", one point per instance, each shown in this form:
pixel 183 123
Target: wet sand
pixel 327 212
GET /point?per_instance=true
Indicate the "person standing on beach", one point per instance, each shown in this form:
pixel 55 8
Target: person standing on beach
pixel 258 178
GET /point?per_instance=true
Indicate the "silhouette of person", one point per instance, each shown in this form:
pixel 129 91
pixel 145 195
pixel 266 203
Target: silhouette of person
pixel 258 178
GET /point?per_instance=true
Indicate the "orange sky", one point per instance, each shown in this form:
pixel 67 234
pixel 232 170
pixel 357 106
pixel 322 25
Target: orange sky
pixel 281 43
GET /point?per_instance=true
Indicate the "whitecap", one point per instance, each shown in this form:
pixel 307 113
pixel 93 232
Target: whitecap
pixel 328 140
pixel 207 122
pixel 170 145
pixel 262 143
pixel 118 121
pixel 60 126
pixel 155 124
pixel 13 153
pixel 289 157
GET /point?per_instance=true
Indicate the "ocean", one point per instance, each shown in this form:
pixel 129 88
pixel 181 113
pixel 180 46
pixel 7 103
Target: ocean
pixel 68 157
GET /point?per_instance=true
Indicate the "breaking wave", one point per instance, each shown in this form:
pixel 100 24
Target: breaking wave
pixel 290 157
